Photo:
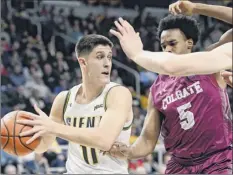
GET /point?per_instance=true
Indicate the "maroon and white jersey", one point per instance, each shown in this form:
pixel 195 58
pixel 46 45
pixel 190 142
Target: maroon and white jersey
pixel 198 118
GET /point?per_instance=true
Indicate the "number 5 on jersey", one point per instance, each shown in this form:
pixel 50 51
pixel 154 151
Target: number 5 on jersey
pixel 186 117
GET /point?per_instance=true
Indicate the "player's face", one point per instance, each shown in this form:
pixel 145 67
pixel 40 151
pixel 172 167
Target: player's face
pixel 99 64
pixel 174 41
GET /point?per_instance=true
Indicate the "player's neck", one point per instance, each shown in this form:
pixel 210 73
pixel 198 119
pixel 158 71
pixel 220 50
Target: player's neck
pixel 90 91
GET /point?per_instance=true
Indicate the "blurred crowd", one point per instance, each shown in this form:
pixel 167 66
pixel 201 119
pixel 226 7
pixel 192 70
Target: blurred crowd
pixel 35 68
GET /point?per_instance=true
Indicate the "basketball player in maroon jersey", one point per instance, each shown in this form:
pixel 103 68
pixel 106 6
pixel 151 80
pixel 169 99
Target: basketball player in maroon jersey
pixel 197 121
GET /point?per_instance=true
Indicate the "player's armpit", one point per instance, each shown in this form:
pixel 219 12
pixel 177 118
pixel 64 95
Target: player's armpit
pixel 56 114
pixel 148 138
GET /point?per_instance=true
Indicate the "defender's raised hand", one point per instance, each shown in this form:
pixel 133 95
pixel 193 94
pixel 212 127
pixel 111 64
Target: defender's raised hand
pixel 130 40
pixel 182 7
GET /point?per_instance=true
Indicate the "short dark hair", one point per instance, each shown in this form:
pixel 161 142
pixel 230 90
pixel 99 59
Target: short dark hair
pixel 87 43
pixel 186 24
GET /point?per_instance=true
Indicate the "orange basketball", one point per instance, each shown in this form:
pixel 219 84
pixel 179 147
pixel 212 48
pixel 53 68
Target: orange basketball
pixel 11 142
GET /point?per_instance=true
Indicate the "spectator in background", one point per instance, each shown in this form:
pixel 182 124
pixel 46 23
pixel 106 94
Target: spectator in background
pixel 10 169
pixel 115 78
pixel 42 164
pixel 59 161
pixel 144 98
pixel 63 85
pixel 149 164
pixel 147 77
pixel 50 77
pixel 17 77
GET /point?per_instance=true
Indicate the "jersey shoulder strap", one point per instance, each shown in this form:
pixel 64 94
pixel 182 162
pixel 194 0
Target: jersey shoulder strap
pixel 66 102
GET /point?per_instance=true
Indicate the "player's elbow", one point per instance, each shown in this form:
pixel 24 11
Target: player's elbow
pixel 104 141
pixel 105 144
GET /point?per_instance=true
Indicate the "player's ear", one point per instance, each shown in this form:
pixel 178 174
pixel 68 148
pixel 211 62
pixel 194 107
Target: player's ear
pixel 82 61
pixel 190 43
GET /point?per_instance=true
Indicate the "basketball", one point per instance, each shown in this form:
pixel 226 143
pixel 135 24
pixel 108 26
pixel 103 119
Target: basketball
pixel 11 142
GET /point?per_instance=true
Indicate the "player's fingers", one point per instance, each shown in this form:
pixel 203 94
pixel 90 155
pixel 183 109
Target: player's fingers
pixel 34 137
pixel 123 148
pixel 28 122
pixel 27 115
pixel 127 25
pixel 228 80
pixel 122 23
pixel 226 73
pixel 38 110
pixel 172 9
pixel 177 7
pixel 115 33
pixel 169 8
pixel 121 29
pixel 29 132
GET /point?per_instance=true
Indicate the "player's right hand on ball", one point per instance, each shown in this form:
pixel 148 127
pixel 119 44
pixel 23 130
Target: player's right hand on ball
pixel 182 7
pixel 119 150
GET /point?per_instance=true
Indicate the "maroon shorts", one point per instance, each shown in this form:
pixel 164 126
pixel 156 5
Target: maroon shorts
pixel 218 163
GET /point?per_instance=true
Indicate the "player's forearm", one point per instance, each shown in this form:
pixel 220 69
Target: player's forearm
pixel 45 143
pixel 184 65
pixel 219 12
pixel 153 61
pixel 91 137
pixel 141 148
pixel 199 63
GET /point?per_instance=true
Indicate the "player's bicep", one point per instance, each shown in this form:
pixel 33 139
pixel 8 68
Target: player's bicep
pixel 119 109
pixel 225 38
pixel 152 123
pixel 225 50
pixel 56 113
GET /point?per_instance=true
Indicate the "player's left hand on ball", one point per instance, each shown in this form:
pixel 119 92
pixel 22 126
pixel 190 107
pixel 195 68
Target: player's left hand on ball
pixel 182 7
pixel 41 123
pixel 130 41
pixel 227 76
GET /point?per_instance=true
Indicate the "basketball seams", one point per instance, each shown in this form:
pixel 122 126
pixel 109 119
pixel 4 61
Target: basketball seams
pixel 14 133
pixel 17 136
pixel 7 134
pixel 12 142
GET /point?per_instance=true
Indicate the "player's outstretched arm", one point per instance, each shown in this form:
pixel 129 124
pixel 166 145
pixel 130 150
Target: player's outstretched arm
pixel 188 8
pixel 168 63
pixel 187 64
pixel 147 140
pixel 119 108
pixel 55 115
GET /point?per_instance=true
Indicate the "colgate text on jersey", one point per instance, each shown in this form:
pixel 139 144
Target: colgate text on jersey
pixel 194 88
